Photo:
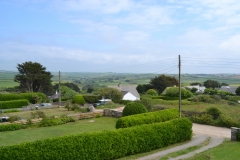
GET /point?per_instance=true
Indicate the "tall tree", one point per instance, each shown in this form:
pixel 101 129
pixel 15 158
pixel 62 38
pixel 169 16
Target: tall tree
pixel 111 93
pixel 238 91
pixel 211 84
pixel 33 77
pixel 161 82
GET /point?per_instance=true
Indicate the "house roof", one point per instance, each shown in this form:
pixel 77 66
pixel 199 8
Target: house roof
pixel 126 89
pixel 231 89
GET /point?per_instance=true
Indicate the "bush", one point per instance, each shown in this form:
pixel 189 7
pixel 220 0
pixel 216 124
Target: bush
pixel 214 111
pixel 11 127
pixel 174 92
pixel 111 144
pixel 79 99
pixel 147 102
pixel 14 104
pixel 91 98
pixel 152 92
pixel 133 108
pixel 11 111
pixel 13 118
pixel 224 121
pixel 98 116
pixel 50 121
pixel 147 118
pixel 202 119
pixel 125 102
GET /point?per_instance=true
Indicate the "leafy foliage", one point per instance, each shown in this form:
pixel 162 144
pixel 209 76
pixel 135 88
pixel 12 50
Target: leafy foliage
pixel 31 97
pixel 211 84
pixel 111 93
pixel 133 108
pixel 91 98
pixel 79 99
pixel 152 92
pixel 213 111
pixel 67 93
pixel 174 92
pixel 147 102
pixel 14 104
pixel 161 82
pixel 147 118
pixel 142 88
pixel 238 91
pixel 111 144
pixel 33 77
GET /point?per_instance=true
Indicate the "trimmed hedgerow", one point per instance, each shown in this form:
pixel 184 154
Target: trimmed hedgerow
pixel 31 97
pixel 133 108
pixel 11 127
pixel 147 118
pixel 14 104
pixel 103 145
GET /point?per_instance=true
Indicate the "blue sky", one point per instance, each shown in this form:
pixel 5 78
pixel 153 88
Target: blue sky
pixel 121 35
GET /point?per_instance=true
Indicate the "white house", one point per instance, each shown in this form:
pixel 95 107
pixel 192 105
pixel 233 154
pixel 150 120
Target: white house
pixel 200 89
pixel 129 92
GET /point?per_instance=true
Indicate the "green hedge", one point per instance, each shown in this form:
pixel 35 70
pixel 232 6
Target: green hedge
pixel 29 96
pixel 103 145
pixel 14 104
pixel 11 127
pixel 147 118
pixel 79 99
pixel 91 98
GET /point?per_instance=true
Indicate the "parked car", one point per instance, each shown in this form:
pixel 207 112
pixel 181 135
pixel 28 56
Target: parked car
pixel 4 119
pixel 101 102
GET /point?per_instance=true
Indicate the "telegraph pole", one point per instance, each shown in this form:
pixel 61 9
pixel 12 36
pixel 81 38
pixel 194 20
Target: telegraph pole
pixel 59 90
pixel 179 66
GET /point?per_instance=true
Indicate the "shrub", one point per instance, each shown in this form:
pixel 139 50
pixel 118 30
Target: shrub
pixel 224 121
pixel 202 119
pixel 11 111
pixel 91 98
pixel 11 127
pixel 14 104
pixel 147 118
pixel 147 102
pixel 133 108
pixel 98 116
pixel 51 121
pixel 111 144
pixel 214 111
pixel 13 118
pixel 152 92
pixel 174 92
pixel 125 102
pixel 79 99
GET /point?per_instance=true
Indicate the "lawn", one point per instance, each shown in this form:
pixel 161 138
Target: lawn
pixel 228 150
pixel 48 112
pixel 33 134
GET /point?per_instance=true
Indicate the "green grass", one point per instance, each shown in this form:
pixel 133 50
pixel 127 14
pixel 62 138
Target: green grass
pixel 185 151
pixel 33 134
pixel 228 150
pixel 48 112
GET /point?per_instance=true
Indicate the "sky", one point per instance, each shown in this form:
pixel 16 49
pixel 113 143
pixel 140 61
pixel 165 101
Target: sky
pixel 137 36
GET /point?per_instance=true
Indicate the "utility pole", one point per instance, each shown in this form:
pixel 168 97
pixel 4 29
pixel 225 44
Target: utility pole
pixel 180 98
pixel 59 90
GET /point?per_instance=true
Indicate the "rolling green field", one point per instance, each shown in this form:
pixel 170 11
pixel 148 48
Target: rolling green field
pixel 113 79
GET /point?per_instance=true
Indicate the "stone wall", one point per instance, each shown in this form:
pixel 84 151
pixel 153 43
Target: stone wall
pixel 112 113
pixel 235 134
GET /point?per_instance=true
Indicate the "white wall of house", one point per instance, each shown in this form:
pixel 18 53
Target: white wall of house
pixel 130 97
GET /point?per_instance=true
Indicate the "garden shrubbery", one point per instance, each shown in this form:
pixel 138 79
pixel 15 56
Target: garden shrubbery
pixel 78 99
pixel 147 118
pixel 91 98
pixel 11 127
pixel 51 121
pixel 133 108
pixel 14 104
pixel 31 97
pixel 103 145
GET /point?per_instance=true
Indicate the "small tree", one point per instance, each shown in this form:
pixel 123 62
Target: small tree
pixel 214 111
pixel 133 108
pixel 211 84
pixel 238 91
pixel 152 92
pixel 79 99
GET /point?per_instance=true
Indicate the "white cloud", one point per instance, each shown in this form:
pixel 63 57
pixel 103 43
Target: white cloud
pixel 231 44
